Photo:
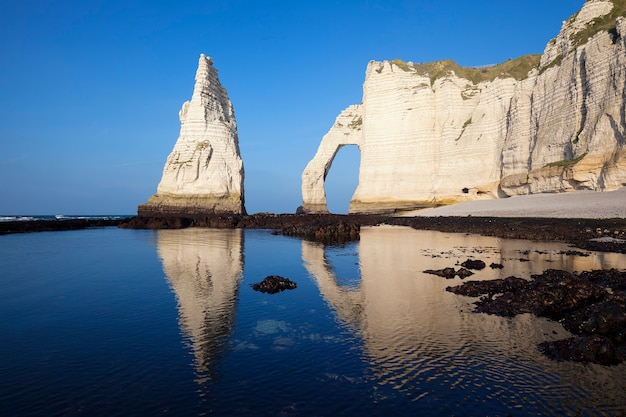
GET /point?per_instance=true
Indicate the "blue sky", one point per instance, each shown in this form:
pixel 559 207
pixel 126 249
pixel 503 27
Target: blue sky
pixel 90 90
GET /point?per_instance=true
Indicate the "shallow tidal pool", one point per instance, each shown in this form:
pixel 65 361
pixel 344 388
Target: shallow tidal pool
pixel 115 322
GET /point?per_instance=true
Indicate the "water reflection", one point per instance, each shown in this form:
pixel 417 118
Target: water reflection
pixel 204 268
pixel 425 343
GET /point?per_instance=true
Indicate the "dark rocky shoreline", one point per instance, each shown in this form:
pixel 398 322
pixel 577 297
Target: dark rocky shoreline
pixel 337 229
pixel 29 226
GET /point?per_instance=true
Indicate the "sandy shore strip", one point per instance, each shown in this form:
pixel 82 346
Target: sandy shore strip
pixel 578 204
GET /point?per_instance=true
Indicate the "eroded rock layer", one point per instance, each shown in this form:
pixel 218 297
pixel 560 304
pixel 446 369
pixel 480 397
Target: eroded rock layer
pixel 204 173
pixel 437 133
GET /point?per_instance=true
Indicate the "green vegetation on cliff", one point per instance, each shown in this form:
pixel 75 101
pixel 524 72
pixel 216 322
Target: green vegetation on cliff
pixel 555 63
pixel 514 68
pixel 566 162
pixel 606 22
pixel 356 123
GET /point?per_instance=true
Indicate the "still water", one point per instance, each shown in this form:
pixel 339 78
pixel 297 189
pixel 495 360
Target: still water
pixel 112 322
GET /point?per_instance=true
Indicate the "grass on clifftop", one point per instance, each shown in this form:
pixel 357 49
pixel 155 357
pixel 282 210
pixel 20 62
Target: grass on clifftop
pixel 606 22
pixel 514 68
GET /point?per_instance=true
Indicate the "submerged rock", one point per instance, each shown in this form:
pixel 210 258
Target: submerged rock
pixel 447 273
pixel 273 284
pixel 464 273
pixel 450 272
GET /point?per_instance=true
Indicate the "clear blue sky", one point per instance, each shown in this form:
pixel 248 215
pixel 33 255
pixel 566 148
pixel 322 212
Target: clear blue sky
pixel 90 90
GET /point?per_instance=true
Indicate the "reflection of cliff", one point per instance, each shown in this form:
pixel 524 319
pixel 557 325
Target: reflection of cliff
pixel 394 311
pixel 415 333
pixel 204 267
pixel 346 301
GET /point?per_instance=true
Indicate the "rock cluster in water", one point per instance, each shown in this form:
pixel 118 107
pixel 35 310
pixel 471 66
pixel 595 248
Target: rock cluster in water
pixel 274 284
pixel 464 272
pixel 438 133
pixel 591 305
pixel 204 172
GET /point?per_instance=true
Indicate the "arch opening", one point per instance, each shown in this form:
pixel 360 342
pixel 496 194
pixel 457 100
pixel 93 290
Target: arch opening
pixel 342 178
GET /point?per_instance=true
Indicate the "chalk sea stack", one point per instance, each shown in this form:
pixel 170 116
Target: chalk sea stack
pixel 204 173
pixel 438 133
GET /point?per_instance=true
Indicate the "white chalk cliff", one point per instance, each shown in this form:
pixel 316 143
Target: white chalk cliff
pixel 204 173
pixel 438 133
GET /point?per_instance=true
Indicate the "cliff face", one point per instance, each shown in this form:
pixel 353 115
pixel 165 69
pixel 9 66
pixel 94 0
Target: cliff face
pixel 438 133
pixel 204 173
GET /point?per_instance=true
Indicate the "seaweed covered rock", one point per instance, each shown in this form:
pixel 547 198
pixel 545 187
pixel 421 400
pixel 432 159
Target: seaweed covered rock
pixel 591 305
pixel 273 284
pixel 606 318
pixel 476 264
pixel 551 294
pixel 464 273
pixel 327 232
pixel 489 288
pixel 449 272
pixel 594 348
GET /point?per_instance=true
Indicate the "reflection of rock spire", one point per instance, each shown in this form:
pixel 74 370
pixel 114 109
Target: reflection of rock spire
pixel 204 173
pixel 345 301
pixel 204 267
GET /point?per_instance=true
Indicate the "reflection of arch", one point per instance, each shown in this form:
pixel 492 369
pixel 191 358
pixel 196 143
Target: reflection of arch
pixel 388 307
pixel 204 267
pixel 345 301
pixel 346 131
pixel 416 336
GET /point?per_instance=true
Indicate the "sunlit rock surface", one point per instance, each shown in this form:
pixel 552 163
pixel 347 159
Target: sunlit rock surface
pixel 204 173
pixel 432 134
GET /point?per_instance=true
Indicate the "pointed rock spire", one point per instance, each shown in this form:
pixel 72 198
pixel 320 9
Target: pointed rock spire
pixel 204 173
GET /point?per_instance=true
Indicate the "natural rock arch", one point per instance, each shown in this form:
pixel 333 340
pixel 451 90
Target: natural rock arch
pixel 342 179
pixel 437 133
pixel 346 131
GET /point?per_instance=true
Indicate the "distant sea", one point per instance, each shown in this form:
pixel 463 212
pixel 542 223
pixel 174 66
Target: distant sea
pixel 26 218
